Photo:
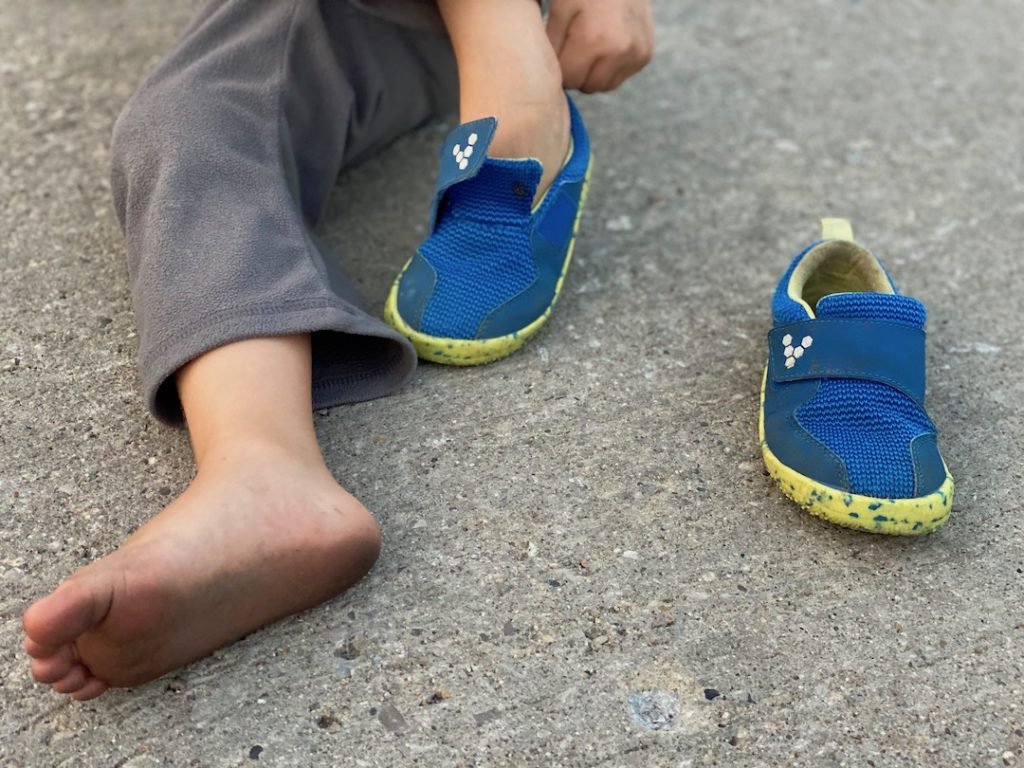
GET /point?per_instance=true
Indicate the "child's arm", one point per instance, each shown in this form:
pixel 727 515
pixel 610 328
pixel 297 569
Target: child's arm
pixel 600 43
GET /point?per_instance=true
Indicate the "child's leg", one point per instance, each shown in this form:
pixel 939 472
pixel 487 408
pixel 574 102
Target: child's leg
pixel 262 532
pixel 508 70
pixel 225 158
pixel 222 160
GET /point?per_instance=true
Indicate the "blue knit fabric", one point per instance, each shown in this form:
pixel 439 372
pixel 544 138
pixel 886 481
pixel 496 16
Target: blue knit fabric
pixel 868 425
pixel 784 309
pixel 481 246
pixel 490 264
pixel 894 308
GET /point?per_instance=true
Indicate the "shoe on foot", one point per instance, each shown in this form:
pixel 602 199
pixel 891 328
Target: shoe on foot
pixel 487 276
pixel 843 428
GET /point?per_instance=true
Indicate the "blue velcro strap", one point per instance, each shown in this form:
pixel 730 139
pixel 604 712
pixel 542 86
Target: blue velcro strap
pixel 836 348
pixel 462 154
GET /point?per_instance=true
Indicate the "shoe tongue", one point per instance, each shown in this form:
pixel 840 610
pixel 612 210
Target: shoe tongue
pixel 892 307
pixel 502 190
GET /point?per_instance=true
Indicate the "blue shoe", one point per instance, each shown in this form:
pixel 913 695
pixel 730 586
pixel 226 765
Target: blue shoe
pixel 843 427
pixel 485 279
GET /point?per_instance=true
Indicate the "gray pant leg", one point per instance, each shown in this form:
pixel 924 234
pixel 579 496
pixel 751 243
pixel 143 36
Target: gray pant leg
pixel 224 160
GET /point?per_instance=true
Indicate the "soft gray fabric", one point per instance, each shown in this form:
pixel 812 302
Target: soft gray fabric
pixel 413 13
pixel 222 164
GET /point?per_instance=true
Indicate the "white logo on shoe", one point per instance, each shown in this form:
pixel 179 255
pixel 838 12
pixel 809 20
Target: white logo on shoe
pixel 794 353
pixel 462 155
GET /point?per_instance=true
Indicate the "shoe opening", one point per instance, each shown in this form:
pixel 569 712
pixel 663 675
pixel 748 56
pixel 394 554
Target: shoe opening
pixel 836 266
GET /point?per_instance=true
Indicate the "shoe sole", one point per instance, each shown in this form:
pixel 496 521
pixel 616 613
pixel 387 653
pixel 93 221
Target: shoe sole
pixel 438 349
pixel 895 517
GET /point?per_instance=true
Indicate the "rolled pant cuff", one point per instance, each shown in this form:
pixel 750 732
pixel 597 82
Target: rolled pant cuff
pixel 356 357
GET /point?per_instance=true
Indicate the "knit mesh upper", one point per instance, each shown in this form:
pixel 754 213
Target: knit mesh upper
pixel 480 248
pixel 893 308
pixel 868 425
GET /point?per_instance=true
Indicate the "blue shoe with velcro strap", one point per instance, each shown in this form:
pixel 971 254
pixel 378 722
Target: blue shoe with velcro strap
pixel 493 264
pixel 843 427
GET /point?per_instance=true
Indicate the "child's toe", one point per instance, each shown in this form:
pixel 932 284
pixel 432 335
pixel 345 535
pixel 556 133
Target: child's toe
pixel 93 687
pixel 53 668
pixel 73 681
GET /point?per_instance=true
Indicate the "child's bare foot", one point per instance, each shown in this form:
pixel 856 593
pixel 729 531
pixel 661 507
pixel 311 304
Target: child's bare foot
pixel 508 70
pixel 254 538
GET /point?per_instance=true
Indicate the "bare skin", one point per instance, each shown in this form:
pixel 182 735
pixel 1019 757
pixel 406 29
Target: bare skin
pixel 601 43
pixel 514 68
pixel 262 532
pixel 508 70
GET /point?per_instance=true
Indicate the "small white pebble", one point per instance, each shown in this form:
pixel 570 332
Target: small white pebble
pixel 619 224
pixel 151 460
pixel 629 554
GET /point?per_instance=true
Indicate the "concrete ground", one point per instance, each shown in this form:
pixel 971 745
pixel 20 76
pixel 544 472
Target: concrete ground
pixel 584 562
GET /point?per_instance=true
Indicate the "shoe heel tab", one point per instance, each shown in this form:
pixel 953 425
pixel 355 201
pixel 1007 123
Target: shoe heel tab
pixel 836 229
pixel 462 155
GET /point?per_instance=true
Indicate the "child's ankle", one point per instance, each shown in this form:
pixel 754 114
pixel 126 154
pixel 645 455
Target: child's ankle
pixel 535 130
pixel 529 125
pixel 508 70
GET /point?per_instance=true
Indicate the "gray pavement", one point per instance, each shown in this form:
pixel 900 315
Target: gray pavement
pixel 584 563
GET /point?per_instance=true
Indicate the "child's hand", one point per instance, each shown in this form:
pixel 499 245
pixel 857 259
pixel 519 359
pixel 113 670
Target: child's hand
pixel 600 43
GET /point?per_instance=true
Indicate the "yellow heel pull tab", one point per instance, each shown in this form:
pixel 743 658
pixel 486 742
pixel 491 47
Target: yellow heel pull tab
pixel 836 229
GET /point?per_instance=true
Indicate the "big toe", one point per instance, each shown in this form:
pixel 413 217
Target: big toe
pixel 74 607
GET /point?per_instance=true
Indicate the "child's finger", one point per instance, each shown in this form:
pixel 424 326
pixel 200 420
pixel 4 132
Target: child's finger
pixel 620 77
pixel 576 61
pixel 612 71
pixel 602 75
pixel 559 21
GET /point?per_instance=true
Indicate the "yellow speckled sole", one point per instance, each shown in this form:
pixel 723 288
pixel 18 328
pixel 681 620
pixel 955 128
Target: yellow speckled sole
pixel 438 349
pixel 899 517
